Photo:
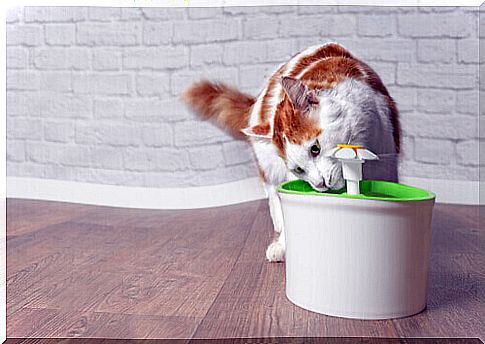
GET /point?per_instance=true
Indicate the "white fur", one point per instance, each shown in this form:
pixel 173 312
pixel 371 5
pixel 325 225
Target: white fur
pixel 275 95
pixel 312 50
pixel 254 117
pixel 276 250
pixel 352 112
pixel 275 207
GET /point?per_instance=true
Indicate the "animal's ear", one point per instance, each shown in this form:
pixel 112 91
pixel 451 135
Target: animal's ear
pixel 301 97
pixel 261 131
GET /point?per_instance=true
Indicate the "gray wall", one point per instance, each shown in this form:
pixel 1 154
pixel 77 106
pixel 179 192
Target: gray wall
pixel 92 93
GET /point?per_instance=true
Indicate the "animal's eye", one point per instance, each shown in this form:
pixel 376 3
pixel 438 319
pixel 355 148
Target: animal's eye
pixel 315 149
pixel 299 170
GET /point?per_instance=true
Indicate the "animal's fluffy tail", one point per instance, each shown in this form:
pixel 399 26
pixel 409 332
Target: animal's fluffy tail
pixel 226 106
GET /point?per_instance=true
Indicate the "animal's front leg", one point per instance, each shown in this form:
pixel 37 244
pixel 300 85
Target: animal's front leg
pixel 275 207
pixel 276 250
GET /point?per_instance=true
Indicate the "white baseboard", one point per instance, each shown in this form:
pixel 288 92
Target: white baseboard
pixel 458 192
pixel 136 197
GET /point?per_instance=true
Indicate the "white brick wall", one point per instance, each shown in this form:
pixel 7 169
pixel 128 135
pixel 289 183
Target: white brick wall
pixel 92 93
pixel 60 34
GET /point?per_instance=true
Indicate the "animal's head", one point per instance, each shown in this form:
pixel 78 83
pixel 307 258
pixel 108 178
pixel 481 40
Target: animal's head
pixel 309 122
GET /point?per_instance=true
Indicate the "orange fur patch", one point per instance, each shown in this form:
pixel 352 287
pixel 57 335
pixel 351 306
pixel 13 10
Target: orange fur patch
pixel 324 69
pixel 326 74
pixel 229 108
pixel 261 129
pixel 292 124
pixel 326 51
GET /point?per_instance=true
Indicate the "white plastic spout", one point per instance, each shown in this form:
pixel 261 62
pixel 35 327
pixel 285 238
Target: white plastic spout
pixel 352 169
pixel 352 157
pixel 353 187
pixel 352 173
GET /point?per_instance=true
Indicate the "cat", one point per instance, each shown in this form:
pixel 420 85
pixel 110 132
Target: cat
pixel 321 97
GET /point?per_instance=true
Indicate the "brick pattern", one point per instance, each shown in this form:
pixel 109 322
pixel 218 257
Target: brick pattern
pixel 93 93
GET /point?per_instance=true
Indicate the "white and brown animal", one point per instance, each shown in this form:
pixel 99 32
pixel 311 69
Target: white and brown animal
pixel 321 97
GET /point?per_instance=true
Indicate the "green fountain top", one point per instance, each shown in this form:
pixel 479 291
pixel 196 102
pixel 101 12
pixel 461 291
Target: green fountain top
pixel 369 190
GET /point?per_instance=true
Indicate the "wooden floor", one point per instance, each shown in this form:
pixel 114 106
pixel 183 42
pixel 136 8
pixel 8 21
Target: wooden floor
pixel 89 271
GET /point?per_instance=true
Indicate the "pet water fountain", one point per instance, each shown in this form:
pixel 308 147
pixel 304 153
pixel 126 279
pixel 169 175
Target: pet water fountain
pixel 359 253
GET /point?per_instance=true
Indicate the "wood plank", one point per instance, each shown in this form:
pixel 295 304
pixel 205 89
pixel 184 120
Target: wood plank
pixel 455 278
pixel 191 267
pixel 456 229
pixel 69 324
pixel 41 262
pixel 455 300
pixel 466 214
pixel 57 258
pixel 42 323
pixel 172 266
pixel 253 302
pixel 279 340
pixel 88 271
pixel 147 327
pixel 27 216
pixel 27 321
pixel 139 218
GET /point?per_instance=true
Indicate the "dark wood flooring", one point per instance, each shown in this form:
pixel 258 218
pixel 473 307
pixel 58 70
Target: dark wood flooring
pixel 88 271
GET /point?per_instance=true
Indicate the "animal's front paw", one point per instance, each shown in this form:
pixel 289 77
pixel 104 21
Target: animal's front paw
pixel 275 252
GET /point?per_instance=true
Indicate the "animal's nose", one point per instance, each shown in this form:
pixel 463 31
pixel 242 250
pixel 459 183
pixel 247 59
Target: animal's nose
pixel 321 185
